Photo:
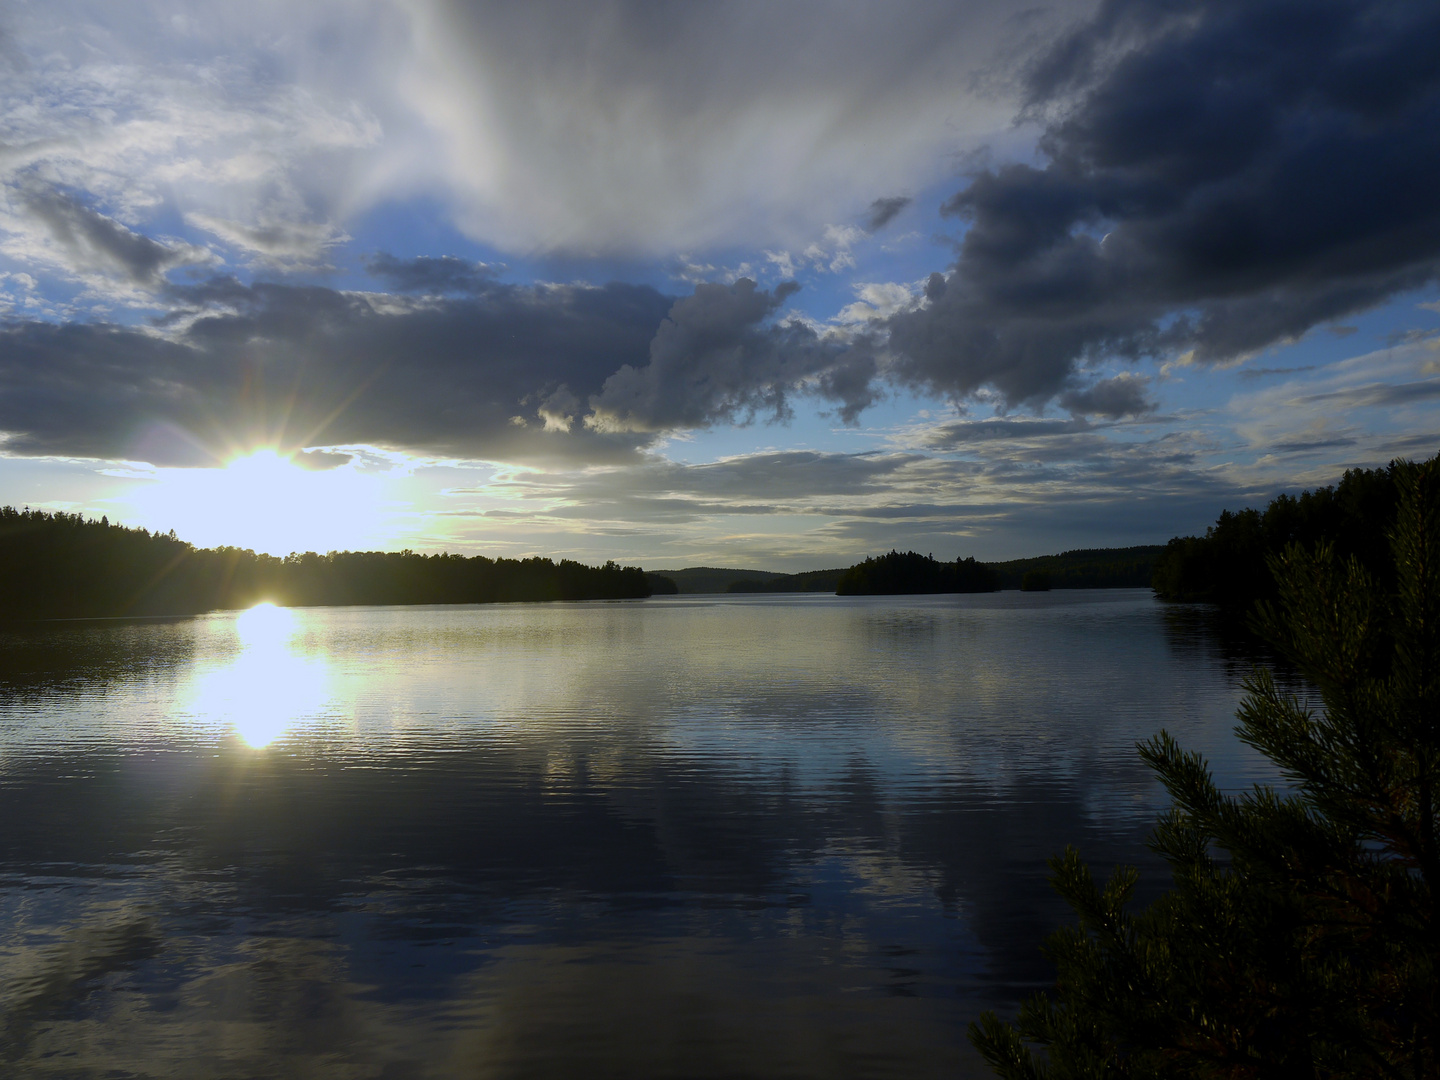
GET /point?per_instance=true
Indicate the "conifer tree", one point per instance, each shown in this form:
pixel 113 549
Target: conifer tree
pixel 1300 935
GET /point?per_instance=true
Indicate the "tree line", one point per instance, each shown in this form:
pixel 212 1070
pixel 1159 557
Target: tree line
pixel 909 573
pixel 58 565
pixel 1229 564
pixel 1084 568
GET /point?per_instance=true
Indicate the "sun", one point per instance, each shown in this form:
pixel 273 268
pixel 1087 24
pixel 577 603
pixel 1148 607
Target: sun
pixel 263 500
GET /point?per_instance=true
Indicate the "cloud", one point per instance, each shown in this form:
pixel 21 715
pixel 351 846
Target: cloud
pixel 276 241
pixel 230 122
pixel 431 274
pixel 1124 395
pixel 958 433
pixel 717 358
pixel 884 211
pixel 310 366
pixel 834 253
pixel 1267 372
pixel 876 300
pixel 86 242
pixel 1371 403
pixel 559 409
pixel 319 460
pixel 1181 205
pixel 474 368
pixel 618 125
pixel 1067 485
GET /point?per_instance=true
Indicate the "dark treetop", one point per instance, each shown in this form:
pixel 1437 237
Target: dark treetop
pixel 63 566
pixel 900 574
pixel 1228 564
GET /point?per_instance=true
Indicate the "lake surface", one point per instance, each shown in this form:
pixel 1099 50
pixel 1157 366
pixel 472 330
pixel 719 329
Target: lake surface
pixel 687 836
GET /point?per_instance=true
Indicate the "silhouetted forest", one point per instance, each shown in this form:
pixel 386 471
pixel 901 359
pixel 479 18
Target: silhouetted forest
pixel 660 585
pixel 64 566
pixel 1084 568
pixel 911 573
pixel 1228 564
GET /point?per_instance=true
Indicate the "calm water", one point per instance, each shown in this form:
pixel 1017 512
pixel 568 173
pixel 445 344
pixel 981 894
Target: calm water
pixel 768 836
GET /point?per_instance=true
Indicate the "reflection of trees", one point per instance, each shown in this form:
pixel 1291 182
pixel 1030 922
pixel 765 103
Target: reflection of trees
pixel 1214 634
pixel 60 658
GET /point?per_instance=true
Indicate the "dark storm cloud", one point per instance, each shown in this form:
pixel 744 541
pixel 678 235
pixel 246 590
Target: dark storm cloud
pixel 488 370
pixel 314 366
pixel 884 211
pixel 717 358
pixel 431 274
pixel 1221 176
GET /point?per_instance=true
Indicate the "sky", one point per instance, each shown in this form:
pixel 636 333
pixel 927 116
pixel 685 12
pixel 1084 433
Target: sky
pixel 735 283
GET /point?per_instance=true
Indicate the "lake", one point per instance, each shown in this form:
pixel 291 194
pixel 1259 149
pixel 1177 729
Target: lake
pixel 768 836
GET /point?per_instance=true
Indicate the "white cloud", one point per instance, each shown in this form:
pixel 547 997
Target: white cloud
pixel 876 300
pixel 144 120
pixel 782 261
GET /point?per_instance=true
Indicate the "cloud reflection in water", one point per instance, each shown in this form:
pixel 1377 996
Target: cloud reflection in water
pixel 708 837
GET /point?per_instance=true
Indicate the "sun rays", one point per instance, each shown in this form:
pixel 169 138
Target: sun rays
pixel 265 501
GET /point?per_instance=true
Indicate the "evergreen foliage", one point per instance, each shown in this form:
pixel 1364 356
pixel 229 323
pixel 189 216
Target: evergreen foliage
pixel 64 566
pixel 911 573
pixel 1036 581
pixel 1228 565
pixel 1300 936
pixel 660 585
pixel 1085 568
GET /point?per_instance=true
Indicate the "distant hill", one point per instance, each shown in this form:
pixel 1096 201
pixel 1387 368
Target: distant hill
pixel 715 579
pixel 1085 568
pixel 811 581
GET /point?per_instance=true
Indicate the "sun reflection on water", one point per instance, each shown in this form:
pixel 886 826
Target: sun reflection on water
pixel 268 687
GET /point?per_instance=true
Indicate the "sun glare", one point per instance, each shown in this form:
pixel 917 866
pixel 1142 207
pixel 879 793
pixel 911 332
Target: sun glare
pixel 265 627
pixel 266 502
pixel 268 687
